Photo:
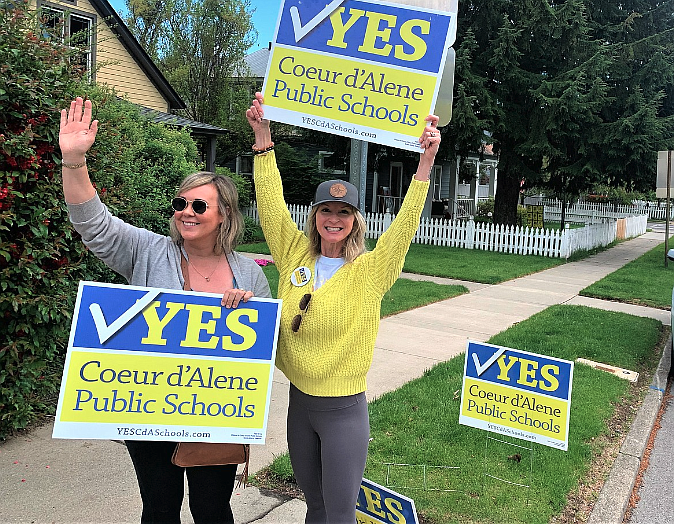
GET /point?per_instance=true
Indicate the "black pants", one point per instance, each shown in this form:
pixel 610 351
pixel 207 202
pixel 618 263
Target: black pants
pixel 162 484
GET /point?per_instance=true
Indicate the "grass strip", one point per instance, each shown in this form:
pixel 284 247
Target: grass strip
pixel 629 284
pixel 417 424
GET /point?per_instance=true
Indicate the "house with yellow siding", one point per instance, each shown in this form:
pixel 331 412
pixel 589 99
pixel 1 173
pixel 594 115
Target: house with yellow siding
pixel 112 56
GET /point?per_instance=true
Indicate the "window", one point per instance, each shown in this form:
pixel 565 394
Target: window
pixel 436 178
pixel 73 29
pixel 330 164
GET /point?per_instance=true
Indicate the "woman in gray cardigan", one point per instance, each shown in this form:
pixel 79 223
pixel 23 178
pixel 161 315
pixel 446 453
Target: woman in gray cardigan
pixel 204 228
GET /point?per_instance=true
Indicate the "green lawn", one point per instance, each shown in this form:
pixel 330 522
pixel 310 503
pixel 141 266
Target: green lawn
pixel 462 264
pixel 645 281
pixel 418 425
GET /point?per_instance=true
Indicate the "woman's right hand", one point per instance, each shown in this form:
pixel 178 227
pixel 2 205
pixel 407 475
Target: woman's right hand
pixel 257 121
pixel 77 132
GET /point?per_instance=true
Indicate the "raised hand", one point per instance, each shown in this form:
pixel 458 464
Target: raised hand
pixel 429 142
pixel 77 132
pixel 257 121
pixel 430 138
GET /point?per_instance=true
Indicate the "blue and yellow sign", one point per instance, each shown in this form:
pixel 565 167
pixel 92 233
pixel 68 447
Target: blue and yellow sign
pixel 360 69
pixel 159 364
pixel 517 393
pixel 379 505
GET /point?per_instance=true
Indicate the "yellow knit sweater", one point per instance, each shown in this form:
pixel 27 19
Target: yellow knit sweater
pixel 331 353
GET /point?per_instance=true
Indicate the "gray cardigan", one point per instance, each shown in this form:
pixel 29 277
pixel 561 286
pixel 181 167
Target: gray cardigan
pixel 145 258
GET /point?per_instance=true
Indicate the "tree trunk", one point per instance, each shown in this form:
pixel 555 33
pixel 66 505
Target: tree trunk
pixel 507 191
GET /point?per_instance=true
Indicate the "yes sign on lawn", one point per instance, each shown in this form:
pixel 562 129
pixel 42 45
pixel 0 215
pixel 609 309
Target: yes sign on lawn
pixel 517 393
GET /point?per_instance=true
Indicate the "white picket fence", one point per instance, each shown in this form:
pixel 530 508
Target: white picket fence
pixel 505 239
pixel 654 210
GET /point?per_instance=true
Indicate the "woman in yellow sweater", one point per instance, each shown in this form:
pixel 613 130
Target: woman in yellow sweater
pixel 332 291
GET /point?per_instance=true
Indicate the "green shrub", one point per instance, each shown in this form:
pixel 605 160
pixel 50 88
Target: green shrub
pixel 485 212
pixel 243 185
pixel 136 166
pixel 299 172
pixel 485 209
pixel 40 261
pixel 252 231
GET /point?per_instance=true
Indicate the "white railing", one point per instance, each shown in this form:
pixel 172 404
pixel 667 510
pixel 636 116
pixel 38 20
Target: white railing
pixel 505 239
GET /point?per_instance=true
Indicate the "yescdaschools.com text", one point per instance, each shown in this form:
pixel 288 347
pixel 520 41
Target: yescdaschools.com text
pixel 327 124
pixel 149 432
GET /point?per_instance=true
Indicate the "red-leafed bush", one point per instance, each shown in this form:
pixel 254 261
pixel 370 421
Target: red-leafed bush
pixel 39 261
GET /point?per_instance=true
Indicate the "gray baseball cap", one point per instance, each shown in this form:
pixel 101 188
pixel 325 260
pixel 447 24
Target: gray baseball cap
pixel 336 191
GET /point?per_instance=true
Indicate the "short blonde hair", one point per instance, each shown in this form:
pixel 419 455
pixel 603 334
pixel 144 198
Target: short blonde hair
pixel 232 227
pixel 354 245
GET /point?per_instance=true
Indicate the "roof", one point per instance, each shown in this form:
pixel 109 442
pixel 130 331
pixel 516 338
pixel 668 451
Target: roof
pixel 257 63
pixel 139 54
pixel 166 118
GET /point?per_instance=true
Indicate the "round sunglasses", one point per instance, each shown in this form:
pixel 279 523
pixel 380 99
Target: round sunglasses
pixel 199 206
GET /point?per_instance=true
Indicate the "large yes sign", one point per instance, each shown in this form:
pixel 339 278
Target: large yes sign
pixel 361 69
pixel 161 364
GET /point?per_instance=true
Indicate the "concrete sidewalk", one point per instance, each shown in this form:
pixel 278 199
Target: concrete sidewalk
pixel 48 480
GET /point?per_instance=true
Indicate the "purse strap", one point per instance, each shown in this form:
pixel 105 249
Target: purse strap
pixel 243 479
pixel 185 270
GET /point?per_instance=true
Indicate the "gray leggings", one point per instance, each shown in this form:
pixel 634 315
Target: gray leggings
pixel 327 440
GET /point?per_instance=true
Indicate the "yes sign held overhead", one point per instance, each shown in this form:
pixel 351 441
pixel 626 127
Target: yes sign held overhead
pixel 360 69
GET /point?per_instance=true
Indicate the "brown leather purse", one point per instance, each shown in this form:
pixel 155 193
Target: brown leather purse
pixel 190 454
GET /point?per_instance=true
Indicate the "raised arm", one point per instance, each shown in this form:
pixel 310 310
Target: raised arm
pixel 76 136
pixel 388 257
pixel 279 228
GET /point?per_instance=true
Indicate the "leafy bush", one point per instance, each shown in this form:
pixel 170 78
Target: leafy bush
pixel 485 212
pixel 243 185
pixel 252 231
pixel 485 208
pixel 299 172
pixel 136 166
pixel 40 261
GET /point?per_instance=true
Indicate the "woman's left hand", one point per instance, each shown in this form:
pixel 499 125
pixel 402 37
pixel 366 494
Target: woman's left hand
pixel 430 142
pixel 430 138
pixel 232 297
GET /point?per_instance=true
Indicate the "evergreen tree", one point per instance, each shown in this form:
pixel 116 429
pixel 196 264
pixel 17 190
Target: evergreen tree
pixel 639 120
pixel 580 91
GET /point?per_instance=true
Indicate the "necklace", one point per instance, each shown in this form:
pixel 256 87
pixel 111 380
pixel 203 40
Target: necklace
pixel 206 278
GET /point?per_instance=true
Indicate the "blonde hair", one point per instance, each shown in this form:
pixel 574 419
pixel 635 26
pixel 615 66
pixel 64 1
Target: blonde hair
pixel 232 227
pixel 354 244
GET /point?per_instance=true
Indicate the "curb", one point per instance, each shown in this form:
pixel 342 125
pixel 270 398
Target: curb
pixel 617 490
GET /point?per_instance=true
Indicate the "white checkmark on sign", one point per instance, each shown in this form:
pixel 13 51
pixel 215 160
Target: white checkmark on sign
pixel 105 331
pixel 302 31
pixel 481 368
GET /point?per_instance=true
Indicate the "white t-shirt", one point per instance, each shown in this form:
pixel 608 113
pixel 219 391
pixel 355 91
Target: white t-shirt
pixel 325 268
